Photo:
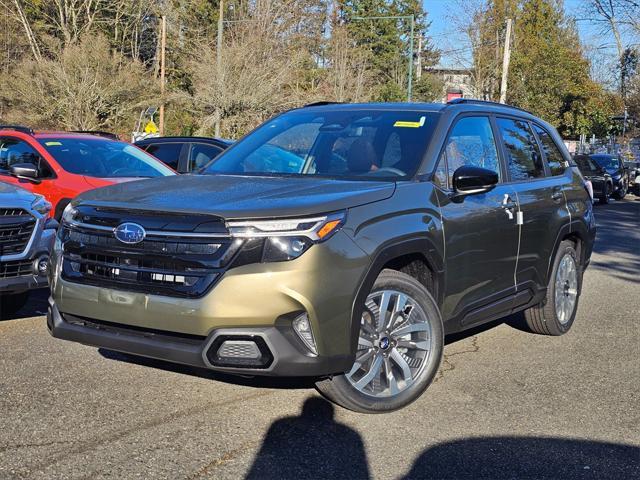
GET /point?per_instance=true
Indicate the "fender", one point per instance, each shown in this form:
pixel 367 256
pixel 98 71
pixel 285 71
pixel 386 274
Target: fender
pixel 575 227
pixel 398 247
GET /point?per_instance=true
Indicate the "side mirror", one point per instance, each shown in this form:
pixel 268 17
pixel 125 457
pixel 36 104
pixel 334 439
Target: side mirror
pixel 26 171
pixel 468 180
pixel 603 170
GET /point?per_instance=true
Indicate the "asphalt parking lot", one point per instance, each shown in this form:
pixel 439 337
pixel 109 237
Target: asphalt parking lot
pixel 506 403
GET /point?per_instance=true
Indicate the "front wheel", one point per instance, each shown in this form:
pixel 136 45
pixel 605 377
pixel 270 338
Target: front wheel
pixel 399 348
pixel 622 191
pixel 556 313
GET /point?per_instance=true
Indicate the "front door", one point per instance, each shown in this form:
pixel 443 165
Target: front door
pixel 480 231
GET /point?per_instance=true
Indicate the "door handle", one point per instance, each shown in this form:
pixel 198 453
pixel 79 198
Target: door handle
pixel 507 202
pixel 557 195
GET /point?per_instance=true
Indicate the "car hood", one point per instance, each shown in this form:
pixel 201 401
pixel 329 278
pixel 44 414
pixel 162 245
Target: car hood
pixel 231 196
pixel 10 195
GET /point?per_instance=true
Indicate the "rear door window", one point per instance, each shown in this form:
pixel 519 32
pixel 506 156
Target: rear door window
pixel 554 157
pixel 524 160
pixel 167 153
pixel 201 154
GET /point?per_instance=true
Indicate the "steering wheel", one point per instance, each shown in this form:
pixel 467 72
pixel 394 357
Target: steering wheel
pixel 395 171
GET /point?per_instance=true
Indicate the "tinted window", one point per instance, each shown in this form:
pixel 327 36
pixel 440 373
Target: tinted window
pixel 471 143
pixel 523 158
pixel 554 157
pixel 607 161
pixel 339 143
pixel 102 158
pixel 14 151
pixel 201 154
pixel 167 153
pixel 585 164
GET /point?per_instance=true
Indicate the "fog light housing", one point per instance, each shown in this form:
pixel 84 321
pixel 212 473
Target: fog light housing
pixel 41 266
pixel 302 327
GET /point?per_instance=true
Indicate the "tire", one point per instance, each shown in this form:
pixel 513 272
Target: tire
pixel 604 199
pixel 621 193
pixel 404 363
pixel 11 304
pixel 555 316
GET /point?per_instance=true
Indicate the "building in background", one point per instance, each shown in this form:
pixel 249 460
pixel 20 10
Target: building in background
pixel 458 82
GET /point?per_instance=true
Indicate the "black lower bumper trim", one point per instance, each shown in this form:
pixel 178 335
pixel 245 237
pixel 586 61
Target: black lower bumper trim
pixel 288 359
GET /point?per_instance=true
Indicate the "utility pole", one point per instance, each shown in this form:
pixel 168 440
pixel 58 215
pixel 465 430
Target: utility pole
pixel 163 47
pixel 410 85
pixel 419 62
pixel 505 63
pixel 218 113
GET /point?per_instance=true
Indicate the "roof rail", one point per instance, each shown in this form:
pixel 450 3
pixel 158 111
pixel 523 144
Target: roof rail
pixel 319 104
pixel 17 128
pixel 99 133
pixel 459 100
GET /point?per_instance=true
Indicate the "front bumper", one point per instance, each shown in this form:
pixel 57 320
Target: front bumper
pixel 259 299
pixel 288 355
pixel 40 248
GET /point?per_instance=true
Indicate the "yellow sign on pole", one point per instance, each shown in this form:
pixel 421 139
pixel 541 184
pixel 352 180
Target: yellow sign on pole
pixel 150 127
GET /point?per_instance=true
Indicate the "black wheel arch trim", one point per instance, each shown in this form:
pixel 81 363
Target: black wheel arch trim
pixel 575 228
pixel 396 248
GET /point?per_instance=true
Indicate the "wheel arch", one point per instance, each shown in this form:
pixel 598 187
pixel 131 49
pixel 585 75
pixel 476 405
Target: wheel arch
pixel 401 255
pixel 578 234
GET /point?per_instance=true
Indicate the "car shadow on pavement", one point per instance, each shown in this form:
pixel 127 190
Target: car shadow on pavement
pixel 35 307
pixel 311 445
pixel 499 458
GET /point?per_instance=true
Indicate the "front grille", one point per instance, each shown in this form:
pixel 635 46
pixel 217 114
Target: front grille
pixel 15 269
pixel 16 228
pixel 166 262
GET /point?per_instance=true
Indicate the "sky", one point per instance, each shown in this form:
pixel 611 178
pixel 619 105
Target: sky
pixel 446 37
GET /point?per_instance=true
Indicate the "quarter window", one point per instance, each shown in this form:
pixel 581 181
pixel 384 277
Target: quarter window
pixel 471 143
pixel 555 160
pixel 523 157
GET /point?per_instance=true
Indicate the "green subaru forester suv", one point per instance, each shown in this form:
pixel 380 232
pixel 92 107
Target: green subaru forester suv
pixel 336 241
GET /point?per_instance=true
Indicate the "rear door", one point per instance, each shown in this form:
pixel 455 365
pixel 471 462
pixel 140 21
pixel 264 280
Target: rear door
pixel 480 231
pixel 540 191
pixel 168 153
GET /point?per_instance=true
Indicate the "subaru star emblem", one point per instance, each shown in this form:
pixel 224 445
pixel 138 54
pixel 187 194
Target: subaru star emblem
pixel 130 233
pixel 384 343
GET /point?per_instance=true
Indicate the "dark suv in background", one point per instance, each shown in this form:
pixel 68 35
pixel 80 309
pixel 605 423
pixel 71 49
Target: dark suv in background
pixel 613 165
pixel 336 241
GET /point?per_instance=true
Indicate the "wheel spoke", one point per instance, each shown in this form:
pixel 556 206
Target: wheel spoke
pixel 391 378
pixel 384 306
pixel 415 345
pixel 398 308
pixel 371 374
pixel 411 328
pixel 402 363
pixel 365 341
pixel 360 360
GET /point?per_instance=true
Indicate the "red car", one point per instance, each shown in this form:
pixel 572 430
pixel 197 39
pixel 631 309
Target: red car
pixel 60 166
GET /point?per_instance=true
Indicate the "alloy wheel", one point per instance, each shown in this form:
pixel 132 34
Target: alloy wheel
pixel 394 346
pixel 566 289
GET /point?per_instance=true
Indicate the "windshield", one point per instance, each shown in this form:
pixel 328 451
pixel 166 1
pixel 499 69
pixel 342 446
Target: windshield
pixel 355 144
pixel 103 158
pixel 607 161
pixel 585 164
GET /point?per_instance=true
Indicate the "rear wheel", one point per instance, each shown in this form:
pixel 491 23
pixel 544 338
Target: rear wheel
pixel 399 348
pixel 11 304
pixel 556 313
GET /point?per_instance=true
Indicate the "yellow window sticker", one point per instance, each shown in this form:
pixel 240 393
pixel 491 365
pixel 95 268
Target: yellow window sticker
pixel 53 144
pixel 405 124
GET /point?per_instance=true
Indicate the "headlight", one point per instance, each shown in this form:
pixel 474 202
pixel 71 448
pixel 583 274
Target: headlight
pixel 40 205
pixel 69 213
pixel 287 239
pixel 617 177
